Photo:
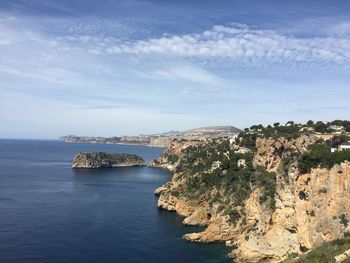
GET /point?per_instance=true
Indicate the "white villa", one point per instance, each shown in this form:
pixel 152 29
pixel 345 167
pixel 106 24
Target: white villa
pixel 233 138
pixel 344 146
pixel 243 150
pixel 336 128
pixel 241 163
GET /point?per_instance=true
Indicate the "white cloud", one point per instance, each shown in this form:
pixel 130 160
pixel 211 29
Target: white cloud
pixel 182 72
pixel 244 44
pixel 236 45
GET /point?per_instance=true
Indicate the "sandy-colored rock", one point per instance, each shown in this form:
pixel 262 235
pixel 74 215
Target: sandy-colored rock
pixel 342 257
pixel 309 207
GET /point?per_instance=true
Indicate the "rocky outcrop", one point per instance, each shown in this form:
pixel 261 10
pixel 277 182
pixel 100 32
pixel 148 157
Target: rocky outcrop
pixel 310 208
pixel 269 152
pixel 106 160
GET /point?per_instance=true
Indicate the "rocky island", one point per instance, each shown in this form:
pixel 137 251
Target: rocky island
pixel 96 160
pixel 276 194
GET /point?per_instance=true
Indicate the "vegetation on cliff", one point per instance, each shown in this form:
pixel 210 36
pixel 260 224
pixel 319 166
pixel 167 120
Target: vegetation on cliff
pixel 233 183
pixel 290 130
pixel 261 190
pixel 320 155
pixel 325 253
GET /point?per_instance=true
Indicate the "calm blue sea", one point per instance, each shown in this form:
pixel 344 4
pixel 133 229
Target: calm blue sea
pixel 51 213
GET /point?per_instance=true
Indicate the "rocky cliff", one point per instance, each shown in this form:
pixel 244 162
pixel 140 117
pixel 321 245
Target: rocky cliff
pixel 105 160
pixel 267 209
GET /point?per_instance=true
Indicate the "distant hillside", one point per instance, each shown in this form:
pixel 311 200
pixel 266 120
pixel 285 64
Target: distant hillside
pixel 211 131
pixel 159 140
pixel 216 129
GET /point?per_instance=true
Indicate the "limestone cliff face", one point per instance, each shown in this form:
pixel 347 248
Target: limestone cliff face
pixel 270 152
pixel 308 212
pixel 309 208
pixel 105 160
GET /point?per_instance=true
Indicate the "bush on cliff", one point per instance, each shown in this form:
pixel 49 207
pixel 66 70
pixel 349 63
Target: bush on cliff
pixel 326 252
pixel 320 155
pixel 249 136
pixel 267 183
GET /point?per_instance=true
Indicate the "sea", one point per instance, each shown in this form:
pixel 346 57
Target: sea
pixel 52 213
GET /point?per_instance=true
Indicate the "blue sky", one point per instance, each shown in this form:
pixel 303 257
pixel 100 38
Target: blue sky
pixel 128 67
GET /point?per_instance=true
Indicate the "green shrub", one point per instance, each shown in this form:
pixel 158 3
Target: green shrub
pixel 320 155
pixel 326 252
pixel 344 220
pixel 234 216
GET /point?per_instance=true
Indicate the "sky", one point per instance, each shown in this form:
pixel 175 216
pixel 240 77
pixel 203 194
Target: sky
pixel 111 68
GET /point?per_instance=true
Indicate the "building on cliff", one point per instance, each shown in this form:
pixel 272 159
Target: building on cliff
pixel 241 163
pixel 243 150
pixel 344 146
pixel 336 128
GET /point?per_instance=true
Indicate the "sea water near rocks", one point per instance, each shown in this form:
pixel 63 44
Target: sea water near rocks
pixel 52 213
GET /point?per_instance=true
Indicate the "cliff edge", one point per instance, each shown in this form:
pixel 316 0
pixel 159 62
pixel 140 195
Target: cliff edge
pixel 268 201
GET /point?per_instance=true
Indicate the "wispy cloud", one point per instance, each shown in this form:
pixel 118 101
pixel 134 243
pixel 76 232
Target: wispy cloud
pixel 235 45
pixel 183 73
pixel 244 44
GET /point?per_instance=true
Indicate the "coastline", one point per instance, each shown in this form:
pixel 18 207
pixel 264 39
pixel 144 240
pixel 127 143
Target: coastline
pixel 270 229
pixel 126 144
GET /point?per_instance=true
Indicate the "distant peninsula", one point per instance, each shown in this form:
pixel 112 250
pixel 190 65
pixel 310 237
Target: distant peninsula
pixel 159 140
pixel 96 160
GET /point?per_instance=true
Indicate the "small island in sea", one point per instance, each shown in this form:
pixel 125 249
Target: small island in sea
pixel 96 160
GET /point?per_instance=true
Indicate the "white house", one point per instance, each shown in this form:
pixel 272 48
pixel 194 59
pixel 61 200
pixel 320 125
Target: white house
pixel 241 163
pixel 243 150
pixel 233 138
pixel 344 146
pixel 336 128
pixel 311 129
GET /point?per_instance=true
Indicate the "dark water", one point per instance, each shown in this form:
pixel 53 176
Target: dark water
pixel 51 213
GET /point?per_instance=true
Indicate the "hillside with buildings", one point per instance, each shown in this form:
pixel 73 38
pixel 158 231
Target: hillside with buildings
pixel 274 193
